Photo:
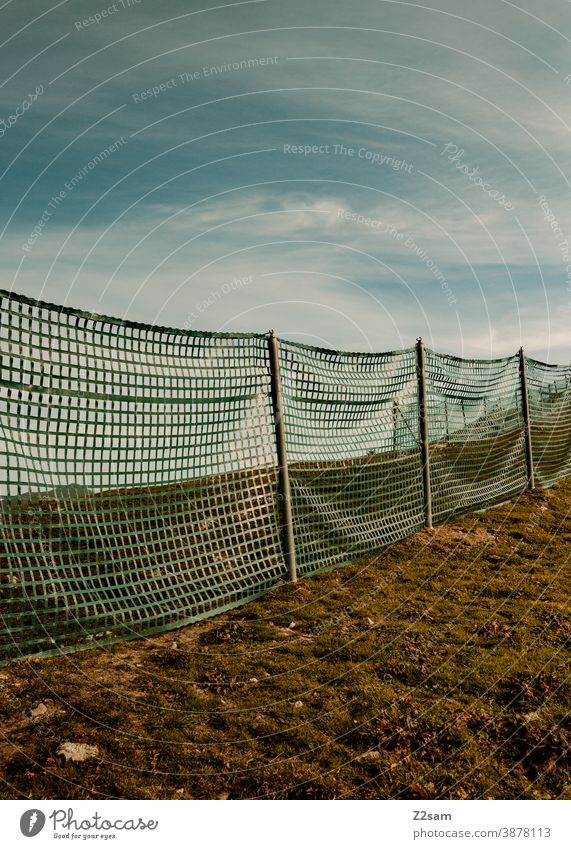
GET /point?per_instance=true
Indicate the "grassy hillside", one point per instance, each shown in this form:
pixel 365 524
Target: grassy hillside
pixel 78 565
pixel 439 669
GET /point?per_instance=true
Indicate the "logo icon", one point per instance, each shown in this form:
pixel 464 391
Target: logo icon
pixel 32 822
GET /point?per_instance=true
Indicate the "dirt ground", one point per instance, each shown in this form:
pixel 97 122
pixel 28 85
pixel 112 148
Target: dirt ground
pixel 438 669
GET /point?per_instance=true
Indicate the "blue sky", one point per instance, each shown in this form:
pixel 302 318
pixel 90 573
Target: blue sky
pixel 353 175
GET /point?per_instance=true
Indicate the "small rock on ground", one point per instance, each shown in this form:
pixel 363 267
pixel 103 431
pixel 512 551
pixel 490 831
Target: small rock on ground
pixel 77 752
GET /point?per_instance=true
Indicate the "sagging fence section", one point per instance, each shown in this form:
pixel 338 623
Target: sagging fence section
pixel 150 477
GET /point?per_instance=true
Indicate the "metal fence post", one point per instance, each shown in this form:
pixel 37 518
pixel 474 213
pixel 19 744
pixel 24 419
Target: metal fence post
pixel 284 491
pixel 423 413
pixel 447 421
pixel 395 425
pixel 526 420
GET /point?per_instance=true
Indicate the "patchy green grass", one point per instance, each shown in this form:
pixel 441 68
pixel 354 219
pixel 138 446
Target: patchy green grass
pixel 439 669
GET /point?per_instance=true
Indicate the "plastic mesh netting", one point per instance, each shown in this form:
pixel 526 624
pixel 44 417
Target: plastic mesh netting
pixel 477 447
pixel 139 485
pixel 137 476
pixel 549 393
pixel 353 448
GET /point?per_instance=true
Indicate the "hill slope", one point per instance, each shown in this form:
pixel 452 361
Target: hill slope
pixel 437 669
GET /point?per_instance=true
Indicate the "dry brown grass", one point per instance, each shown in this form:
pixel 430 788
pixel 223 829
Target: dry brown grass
pixel 439 669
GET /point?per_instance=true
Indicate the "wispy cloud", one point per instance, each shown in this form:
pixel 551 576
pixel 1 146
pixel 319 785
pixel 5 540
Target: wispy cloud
pixel 207 190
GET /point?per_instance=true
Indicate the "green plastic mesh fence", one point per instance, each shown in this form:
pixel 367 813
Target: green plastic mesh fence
pixel 477 447
pixel 137 477
pixel 139 487
pixel 352 433
pixel 549 393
